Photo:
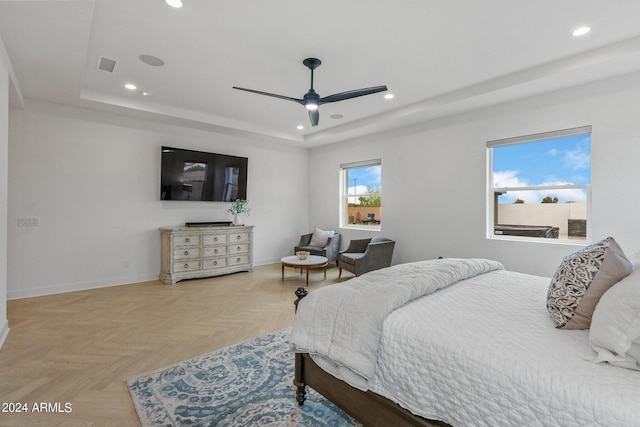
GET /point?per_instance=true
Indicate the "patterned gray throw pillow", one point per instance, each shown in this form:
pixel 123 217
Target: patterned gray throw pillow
pixel 581 279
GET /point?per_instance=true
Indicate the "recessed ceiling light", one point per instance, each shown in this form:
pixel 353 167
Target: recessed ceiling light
pixel 336 116
pixel 130 86
pixel 300 127
pixel 581 31
pixel 174 3
pixel 151 60
pixel 147 93
pixel 388 96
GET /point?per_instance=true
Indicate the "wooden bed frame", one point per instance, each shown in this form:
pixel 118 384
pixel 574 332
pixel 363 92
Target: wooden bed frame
pixel 367 408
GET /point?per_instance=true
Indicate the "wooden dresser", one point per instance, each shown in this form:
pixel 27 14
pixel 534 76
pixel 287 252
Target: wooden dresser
pixel 193 252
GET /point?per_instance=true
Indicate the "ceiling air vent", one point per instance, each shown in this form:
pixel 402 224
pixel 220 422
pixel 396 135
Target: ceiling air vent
pixel 106 64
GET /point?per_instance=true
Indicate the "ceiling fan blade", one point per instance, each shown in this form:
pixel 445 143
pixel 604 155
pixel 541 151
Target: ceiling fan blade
pixel 287 98
pixel 352 94
pixel 314 115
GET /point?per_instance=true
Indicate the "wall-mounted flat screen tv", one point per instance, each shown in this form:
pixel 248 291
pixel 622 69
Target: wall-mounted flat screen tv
pixel 199 176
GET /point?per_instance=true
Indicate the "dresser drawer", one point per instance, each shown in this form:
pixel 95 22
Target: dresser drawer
pixel 186 266
pixel 209 264
pixel 212 251
pixel 214 239
pixel 186 240
pixel 239 259
pixel 238 249
pixel 238 238
pixel 186 253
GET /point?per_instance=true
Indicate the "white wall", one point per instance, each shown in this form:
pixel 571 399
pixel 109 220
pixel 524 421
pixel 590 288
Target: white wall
pixel 4 144
pixel 434 176
pixel 93 180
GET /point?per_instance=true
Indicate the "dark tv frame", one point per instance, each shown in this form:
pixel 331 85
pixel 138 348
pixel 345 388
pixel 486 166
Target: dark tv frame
pixel 218 183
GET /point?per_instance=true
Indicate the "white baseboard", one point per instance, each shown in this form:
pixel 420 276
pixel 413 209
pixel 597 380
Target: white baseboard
pixel 4 331
pixel 73 287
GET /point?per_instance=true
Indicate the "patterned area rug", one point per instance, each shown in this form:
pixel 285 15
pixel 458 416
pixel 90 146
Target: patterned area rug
pixel 247 384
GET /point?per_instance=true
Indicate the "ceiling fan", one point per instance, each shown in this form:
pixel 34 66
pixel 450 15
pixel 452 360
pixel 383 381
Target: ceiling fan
pixel 312 101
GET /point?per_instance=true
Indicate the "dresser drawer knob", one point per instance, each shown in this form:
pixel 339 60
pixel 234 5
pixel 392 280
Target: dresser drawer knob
pixel 239 248
pixel 215 251
pixel 239 237
pixel 215 262
pixel 215 239
pixel 187 240
pixel 186 252
pixel 239 259
pixel 186 266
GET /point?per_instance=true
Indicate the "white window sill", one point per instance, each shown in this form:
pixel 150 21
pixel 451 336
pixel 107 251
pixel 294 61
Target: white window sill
pixel 362 227
pixel 572 242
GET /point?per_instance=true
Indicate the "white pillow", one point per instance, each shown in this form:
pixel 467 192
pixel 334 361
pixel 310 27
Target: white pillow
pixel 634 259
pixel 615 326
pixel 320 237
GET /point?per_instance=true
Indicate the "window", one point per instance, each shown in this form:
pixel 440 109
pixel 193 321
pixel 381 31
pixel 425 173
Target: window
pixel 360 194
pixel 539 185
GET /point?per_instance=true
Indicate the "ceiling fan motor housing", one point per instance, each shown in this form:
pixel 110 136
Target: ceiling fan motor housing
pixel 311 100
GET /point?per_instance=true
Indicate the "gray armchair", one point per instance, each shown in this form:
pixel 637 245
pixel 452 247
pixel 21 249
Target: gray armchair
pixel 364 255
pixel 330 250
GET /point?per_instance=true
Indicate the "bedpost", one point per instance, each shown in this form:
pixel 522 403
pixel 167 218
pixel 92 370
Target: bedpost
pixel 298 378
pixel 300 293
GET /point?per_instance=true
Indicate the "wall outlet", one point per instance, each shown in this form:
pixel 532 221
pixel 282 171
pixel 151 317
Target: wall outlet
pixel 28 222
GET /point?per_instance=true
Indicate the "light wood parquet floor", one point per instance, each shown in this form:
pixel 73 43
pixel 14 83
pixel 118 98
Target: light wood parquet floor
pixel 79 348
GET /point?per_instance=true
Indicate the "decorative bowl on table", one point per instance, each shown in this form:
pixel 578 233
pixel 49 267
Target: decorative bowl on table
pixel 302 254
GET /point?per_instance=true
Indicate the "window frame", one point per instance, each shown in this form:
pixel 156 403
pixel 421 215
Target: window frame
pixel 493 192
pixel 344 195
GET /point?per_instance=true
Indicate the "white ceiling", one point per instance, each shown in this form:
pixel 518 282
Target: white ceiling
pixel 437 57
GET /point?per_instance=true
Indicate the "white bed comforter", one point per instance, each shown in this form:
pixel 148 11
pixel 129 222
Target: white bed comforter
pixel 485 352
pixel 340 326
pixel 482 352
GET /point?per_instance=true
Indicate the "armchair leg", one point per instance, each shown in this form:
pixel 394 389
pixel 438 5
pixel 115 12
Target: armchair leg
pixel 339 272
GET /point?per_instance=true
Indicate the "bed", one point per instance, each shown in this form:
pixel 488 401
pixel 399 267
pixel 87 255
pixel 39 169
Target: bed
pixel 459 342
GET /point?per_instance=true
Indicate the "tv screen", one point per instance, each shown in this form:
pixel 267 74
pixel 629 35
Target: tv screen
pixel 199 176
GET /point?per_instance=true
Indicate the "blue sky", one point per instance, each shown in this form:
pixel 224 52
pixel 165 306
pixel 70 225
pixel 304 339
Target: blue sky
pixel 557 161
pixel 364 178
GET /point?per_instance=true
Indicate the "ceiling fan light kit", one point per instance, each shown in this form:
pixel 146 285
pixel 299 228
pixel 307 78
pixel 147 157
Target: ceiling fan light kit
pixel 311 100
pixel 174 3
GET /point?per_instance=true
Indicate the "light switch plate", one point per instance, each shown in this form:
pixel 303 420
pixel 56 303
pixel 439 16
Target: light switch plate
pixel 28 222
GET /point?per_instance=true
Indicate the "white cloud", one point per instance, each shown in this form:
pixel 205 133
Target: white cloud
pixel 577 159
pixel 535 196
pixel 529 197
pixel 580 157
pixel 358 189
pixel 510 179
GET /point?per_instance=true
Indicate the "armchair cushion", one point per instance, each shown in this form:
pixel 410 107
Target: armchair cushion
pixel 319 238
pixel 329 249
pixel 350 258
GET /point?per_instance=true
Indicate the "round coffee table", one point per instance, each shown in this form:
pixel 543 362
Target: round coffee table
pixel 312 261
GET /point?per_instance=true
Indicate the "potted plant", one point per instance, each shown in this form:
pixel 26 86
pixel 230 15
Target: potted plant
pixel 238 207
